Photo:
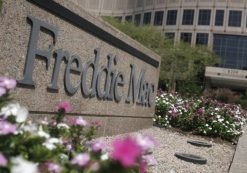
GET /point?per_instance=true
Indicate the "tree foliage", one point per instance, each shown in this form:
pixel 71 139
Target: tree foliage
pixel 180 61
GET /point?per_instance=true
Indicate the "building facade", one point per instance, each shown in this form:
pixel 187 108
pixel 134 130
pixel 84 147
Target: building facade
pixel 219 24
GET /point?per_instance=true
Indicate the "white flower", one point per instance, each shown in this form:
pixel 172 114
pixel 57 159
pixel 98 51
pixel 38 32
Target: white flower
pixel 63 157
pixel 42 133
pixel 44 122
pixel 62 125
pixel 206 125
pixel 51 143
pixel 16 110
pixel 221 120
pixel 20 166
pixel 154 119
pixel 159 116
pixel 104 157
pixel 32 128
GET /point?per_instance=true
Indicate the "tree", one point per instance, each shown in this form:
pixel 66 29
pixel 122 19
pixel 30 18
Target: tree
pixel 179 61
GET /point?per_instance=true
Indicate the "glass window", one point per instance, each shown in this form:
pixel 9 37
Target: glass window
pixel 147 18
pixel 219 18
pixel 170 35
pixel 158 17
pixel 232 50
pixel 204 17
pixel 118 18
pixel 202 38
pixel 188 17
pixel 186 37
pixel 137 19
pixel 235 18
pixel 171 17
pixel 128 18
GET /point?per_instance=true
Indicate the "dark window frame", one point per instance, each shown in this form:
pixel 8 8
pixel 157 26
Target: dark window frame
pixel 158 18
pixel 202 39
pixel 204 17
pixel 171 17
pixel 232 20
pixel 186 37
pixel 147 22
pixel 137 16
pixel 232 50
pixel 129 18
pixel 219 17
pixel 170 35
pixel 188 17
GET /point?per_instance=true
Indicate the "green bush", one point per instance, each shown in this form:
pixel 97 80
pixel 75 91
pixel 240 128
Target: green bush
pixel 200 115
pixel 242 102
pixel 179 61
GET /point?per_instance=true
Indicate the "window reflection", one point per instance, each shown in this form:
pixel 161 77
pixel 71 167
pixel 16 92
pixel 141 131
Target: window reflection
pixel 204 17
pixel 232 50
pixel 235 18
pixel 171 17
pixel 188 17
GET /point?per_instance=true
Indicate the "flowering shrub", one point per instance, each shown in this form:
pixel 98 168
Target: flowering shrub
pixel 200 115
pixel 63 145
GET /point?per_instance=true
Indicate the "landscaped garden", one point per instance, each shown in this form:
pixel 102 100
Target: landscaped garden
pixel 200 115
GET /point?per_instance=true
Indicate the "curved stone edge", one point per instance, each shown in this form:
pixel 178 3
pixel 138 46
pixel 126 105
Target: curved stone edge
pixel 240 157
pixel 199 143
pixel 191 158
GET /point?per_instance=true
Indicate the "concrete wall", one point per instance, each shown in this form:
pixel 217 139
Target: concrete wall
pixel 15 33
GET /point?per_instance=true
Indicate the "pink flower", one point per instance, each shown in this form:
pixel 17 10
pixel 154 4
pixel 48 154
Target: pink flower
pixel 7 83
pixel 98 146
pixel 145 142
pixel 201 110
pixel 2 91
pixel 150 160
pixel 143 167
pixel 174 112
pixel 6 128
pixel 78 121
pixel 3 160
pixel 51 167
pixel 64 106
pixel 97 123
pixel 94 166
pixel 81 159
pixel 126 151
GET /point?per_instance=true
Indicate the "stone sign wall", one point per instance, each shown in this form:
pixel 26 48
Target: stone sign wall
pixel 58 52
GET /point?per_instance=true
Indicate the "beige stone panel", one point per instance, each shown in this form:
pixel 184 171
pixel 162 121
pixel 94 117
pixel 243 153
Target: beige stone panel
pixel 14 38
